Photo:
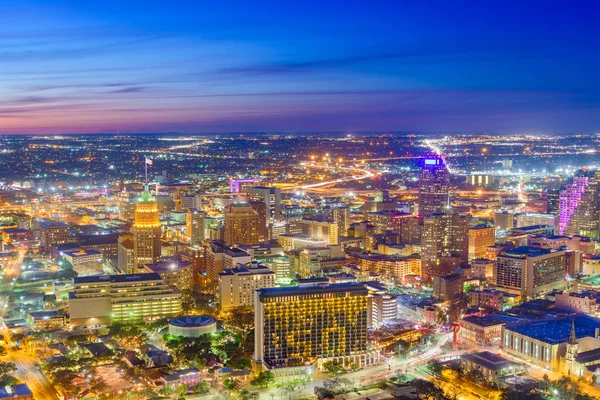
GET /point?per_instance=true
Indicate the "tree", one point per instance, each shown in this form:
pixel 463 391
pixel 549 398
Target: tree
pixel 6 371
pixel 98 384
pixel 323 393
pixel 263 379
pixel 455 388
pixel 435 367
pixel 231 384
pixel 242 320
pixel 333 367
pixel 332 384
pixel 428 390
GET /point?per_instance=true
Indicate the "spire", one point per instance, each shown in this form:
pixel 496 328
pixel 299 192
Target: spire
pixel 572 337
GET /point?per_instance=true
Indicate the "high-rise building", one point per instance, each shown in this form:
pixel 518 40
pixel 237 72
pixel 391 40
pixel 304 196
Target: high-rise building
pixel 580 207
pixel 434 186
pixel 341 216
pixel 194 226
pixel 553 196
pixel 504 220
pixel 480 238
pixel 530 271
pixel 53 233
pixel 444 244
pixel 237 285
pixel 270 196
pixel 309 323
pixel 146 230
pixel 321 230
pixel 241 224
pixel 126 205
pixel 219 255
pixel 264 227
pixel 388 220
pixel 125 254
pixel 100 300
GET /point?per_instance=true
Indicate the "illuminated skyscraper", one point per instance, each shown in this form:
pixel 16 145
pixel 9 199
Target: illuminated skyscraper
pixel 194 226
pixel 126 205
pixel 341 216
pixel 241 224
pixel 146 230
pixel 580 207
pixel 444 243
pixel 434 182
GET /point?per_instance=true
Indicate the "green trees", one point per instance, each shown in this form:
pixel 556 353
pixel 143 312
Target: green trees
pixel 334 367
pixel 428 390
pixel 263 379
pixel 6 373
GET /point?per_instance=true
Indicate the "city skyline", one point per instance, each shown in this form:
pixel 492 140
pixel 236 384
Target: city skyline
pixel 199 68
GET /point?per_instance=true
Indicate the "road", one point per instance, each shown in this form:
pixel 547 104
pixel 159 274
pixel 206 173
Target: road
pixel 34 378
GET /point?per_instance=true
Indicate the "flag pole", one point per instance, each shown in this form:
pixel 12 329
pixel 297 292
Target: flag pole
pixel 146 165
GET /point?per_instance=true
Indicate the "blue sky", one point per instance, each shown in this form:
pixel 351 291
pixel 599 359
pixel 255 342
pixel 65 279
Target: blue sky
pixel 199 66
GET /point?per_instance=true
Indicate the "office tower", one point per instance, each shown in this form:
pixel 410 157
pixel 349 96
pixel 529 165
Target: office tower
pixel 126 205
pixel 504 220
pixel 100 300
pixel 241 224
pixel 341 216
pixel 530 271
pixel 146 230
pixel 237 285
pixel 264 227
pixel 580 207
pixel 320 229
pixel 444 244
pixel 553 196
pixel 411 231
pixel 480 238
pixel 53 233
pixel 125 254
pixel 434 182
pixel 270 196
pixel 194 226
pixel 448 287
pixel 312 323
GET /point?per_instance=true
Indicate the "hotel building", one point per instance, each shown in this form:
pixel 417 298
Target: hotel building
pixel 312 323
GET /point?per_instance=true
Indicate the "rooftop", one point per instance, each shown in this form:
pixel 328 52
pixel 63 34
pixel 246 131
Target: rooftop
pixel 356 288
pixel 152 276
pixel 9 392
pixel 557 330
pixel 489 360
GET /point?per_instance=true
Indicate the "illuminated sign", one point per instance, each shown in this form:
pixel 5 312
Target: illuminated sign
pixel 432 162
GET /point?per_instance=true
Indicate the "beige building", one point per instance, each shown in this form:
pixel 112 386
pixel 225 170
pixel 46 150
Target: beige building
pixel 53 233
pixel 194 226
pixel 394 267
pixel 125 254
pixel 314 261
pixel 484 331
pixel 100 300
pixel 237 285
pixel 219 255
pixel 531 271
pixel 480 237
pixel 483 268
pixel 179 274
pixel 84 262
pixel 321 230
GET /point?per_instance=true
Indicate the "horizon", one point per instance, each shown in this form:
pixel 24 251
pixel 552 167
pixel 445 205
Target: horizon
pixel 192 67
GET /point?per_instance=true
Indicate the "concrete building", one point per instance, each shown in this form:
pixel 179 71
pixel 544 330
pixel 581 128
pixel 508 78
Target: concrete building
pixel 491 366
pixel 314 261
pixel 125 254
pixel 488 299
pixel 270 196
pixel 100 300
pixel 448 287
pixel 530 271
pixel 220 255
pixel 341 216
pixel 585 302
pixel 483 331
pixel 53 233
pixel 84 262
pixel 237 285
pixel 504 220
pixel 530 219
pixel 241 224
pixel 480 238
pixel 194 226
pixel 312 323
pixel 179 274
pixel 444 236
pixel 321 230
pixel 393 267
pixel 483 268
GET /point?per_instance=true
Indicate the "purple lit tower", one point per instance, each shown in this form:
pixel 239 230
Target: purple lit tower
pixel 569 201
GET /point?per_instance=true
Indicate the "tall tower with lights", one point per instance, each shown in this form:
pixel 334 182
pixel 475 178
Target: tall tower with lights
pixel 434 182
pixel 146 230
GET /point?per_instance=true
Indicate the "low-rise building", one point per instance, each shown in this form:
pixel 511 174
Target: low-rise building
pixel 16 392
pixel 585 302
pixel 484 331
pixel 46 320
pixel 490 365
pixel 489 299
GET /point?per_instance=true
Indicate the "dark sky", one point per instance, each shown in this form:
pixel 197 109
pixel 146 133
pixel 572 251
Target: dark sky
pixel 218 66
